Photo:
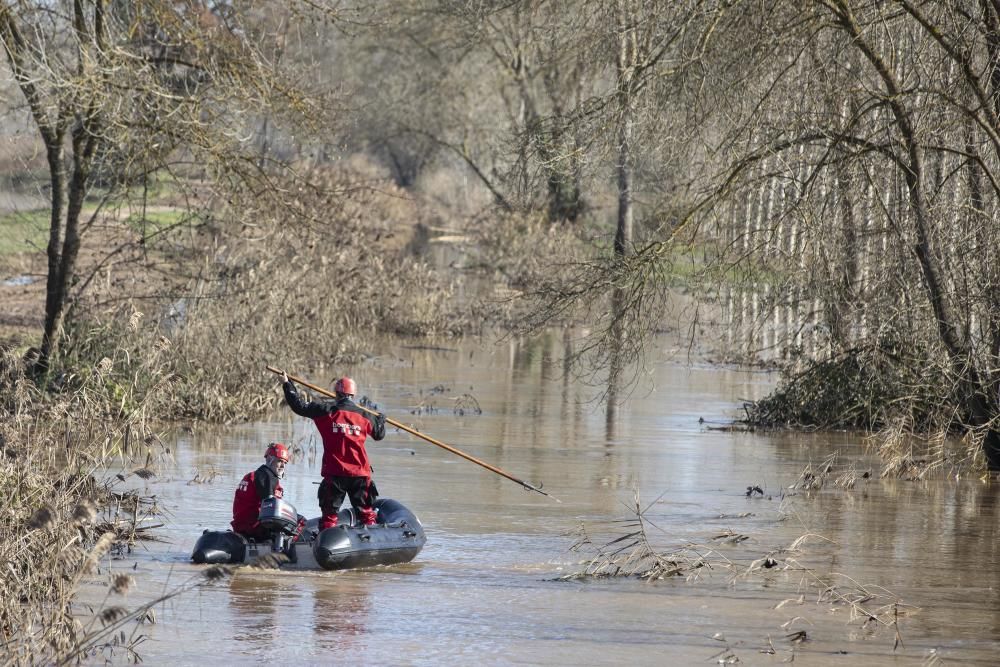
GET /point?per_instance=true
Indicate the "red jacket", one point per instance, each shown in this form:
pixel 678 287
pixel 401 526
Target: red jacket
pixel 252 490
pixel 344 428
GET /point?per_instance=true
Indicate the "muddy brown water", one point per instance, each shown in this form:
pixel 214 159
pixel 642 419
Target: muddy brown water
pixel 486 589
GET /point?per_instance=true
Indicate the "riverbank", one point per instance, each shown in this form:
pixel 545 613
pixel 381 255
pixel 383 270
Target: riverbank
pixel 63 511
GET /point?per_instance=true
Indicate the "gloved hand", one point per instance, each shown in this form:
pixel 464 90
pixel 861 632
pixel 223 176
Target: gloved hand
pixel 299 528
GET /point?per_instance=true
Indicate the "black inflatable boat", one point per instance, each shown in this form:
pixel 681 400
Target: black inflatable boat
pixel 397 537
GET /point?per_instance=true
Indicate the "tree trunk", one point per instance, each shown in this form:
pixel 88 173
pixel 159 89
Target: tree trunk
pixel 626 68
pixel 54 294
pixel 846 285
pixel 979 408
pixel 623 235
pixel 62 260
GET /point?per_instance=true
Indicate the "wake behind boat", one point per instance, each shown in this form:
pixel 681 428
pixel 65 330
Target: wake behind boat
pixel 396 537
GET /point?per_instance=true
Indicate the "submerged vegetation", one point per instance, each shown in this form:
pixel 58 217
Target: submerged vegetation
pixel 739 560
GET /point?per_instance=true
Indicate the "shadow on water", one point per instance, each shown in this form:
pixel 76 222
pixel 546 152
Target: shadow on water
pixel 254 599
pixel 342 615
pixel 270 604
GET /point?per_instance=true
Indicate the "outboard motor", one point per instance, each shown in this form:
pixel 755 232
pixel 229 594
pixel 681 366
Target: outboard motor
pixel 281 520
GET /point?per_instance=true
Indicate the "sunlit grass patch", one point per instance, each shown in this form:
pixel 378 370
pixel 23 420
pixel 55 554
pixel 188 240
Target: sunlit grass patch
pixel 28 231
pixel 24 231
pixel 155 220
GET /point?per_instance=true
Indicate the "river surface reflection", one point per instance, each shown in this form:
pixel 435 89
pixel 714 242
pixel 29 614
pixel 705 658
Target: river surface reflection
pixel 486 588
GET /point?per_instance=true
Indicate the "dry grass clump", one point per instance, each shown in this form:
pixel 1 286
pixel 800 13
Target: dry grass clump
pixel 815 477
pixel 633 555
pixel 903 456
pixel 60 522
pixel 911 456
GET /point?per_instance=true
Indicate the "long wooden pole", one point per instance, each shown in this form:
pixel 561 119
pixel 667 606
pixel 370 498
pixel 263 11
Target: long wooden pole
pixel 412 431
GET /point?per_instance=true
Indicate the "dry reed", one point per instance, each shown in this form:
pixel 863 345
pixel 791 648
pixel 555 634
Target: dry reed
pixel 62 517
pixel 631 554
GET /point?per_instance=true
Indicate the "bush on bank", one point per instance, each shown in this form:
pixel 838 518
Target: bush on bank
pixel 54 533
pixel 865 387
pixel 903 393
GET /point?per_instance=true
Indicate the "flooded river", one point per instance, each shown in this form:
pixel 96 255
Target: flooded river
pixel 487 587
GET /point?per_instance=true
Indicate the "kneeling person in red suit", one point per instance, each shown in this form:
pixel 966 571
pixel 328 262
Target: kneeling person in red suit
pixel 256 486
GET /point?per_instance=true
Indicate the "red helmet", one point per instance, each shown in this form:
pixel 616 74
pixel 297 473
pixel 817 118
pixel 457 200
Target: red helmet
pixel 277 450
pixel 345 385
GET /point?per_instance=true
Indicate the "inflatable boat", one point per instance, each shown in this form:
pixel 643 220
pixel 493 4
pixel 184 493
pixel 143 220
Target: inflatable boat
pixel 397 537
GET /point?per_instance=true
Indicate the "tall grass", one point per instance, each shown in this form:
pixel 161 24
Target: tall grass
pixel 56 520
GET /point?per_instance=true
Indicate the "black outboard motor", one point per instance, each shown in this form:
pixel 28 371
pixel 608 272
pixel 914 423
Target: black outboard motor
pixel 279 518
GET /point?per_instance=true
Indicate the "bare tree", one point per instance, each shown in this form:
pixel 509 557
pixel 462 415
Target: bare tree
pixel 857 178
pixel 120 91
pixel 491 85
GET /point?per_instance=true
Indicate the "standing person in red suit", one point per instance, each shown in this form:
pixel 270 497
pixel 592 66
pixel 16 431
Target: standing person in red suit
pixel 346 470
pixel 255 486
